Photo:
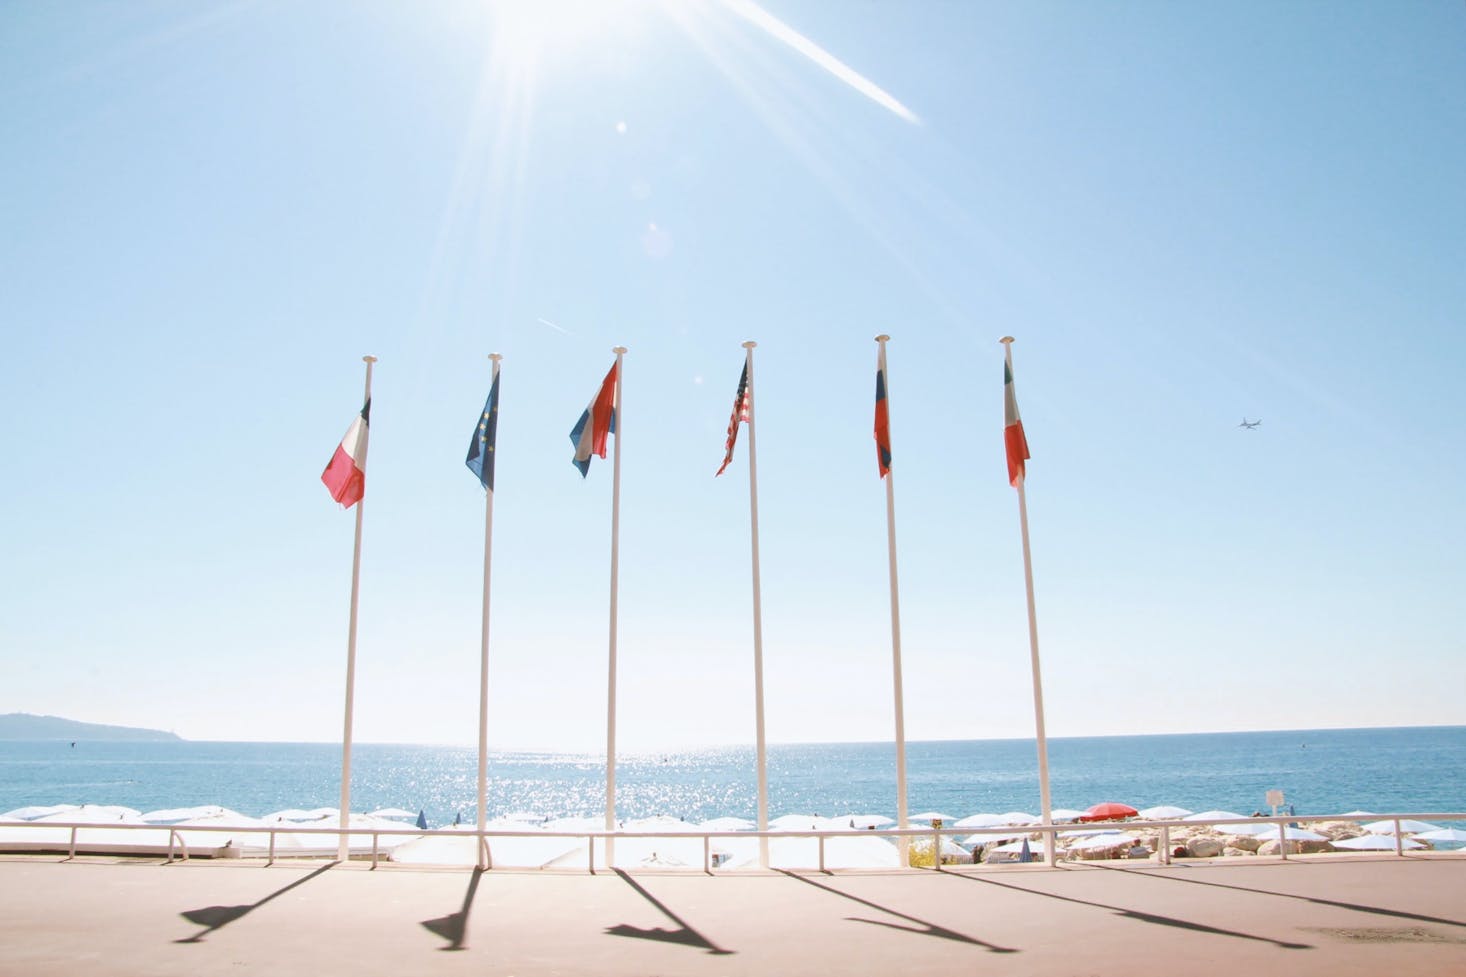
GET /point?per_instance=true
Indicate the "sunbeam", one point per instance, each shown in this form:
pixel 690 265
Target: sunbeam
pixel 782 32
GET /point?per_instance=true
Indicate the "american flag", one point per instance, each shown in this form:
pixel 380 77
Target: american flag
pixel 742 404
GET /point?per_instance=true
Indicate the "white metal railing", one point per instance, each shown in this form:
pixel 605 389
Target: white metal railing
pixel 178 849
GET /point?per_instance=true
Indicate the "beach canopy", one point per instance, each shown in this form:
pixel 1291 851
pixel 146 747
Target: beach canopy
pixel 393 812
pixel 728 824
pixel 1109 811
pixel 1408 826
pixel 1165 812
pixel 1375 843
pixel 1061 814
pixel 1443 834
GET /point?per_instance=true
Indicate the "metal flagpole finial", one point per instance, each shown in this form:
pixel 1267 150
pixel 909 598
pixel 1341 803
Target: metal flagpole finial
pixel 618 350
pixel 750 344
pixel 496 357
pixel 369 358
pixel 883 338
pixel 1006 340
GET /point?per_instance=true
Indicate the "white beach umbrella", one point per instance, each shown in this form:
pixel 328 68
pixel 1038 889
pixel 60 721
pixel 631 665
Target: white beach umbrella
pixel 95 814
pixel 1251 828
pixel 1108 839
pixel 661 823
pixel 1443 834
pixel 393 812
pixel 1063 815
pixel 40 811
pixel 930 816
pixel 1019 817
pixel 981 821
pixel 1291 833
pixel 1035 847
pixel 797 822
pixel 173 815
pixel 291 814
pixel 1408 826
pixel 1375 843
pixel 1165 812
pixel 728 824
pixel 864 821
pixel 1213 816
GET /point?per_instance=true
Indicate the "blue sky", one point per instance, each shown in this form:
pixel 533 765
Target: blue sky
pixel 1186 214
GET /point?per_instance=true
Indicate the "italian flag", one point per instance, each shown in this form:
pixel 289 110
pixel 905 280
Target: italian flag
pixel 1013 439
pixel 345 476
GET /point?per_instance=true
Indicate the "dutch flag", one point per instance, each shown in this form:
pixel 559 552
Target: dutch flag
pixel 599 420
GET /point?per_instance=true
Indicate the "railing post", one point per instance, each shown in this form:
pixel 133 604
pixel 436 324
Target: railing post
pixel 707 854
pixel 1399 842
pixel 375 836
pixel 592 847
pixel 271 859
pixel 72 852
pixel 821 837
pixel 1165 844
pixel 1283 839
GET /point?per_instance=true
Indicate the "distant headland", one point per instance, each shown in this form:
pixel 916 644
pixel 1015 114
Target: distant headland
pixel 23 726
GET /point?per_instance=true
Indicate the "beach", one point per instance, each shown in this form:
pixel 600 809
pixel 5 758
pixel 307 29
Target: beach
pixel 1336 916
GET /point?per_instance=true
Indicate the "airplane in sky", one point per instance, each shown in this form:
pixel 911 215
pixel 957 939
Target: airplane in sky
pixel 1250 425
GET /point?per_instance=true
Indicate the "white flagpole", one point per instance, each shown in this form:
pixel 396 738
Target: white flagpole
pixel 483 682
pixel 758 629
pixel 620 351
pixel 896 627
pixel 1038 689
pixel 343 846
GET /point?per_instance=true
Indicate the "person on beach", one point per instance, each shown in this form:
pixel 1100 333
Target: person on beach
pixel 1138 850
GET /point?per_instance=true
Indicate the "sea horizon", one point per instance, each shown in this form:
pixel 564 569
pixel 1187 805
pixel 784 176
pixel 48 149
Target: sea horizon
pixel 1321 771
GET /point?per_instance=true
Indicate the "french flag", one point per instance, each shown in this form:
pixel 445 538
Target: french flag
pixel 345 476
pixel 599 420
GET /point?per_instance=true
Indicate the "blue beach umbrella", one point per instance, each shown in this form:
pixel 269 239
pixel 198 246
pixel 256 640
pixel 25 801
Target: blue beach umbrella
pixel 422 820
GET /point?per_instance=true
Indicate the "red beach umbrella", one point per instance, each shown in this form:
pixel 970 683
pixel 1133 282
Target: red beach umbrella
pixel 1109 811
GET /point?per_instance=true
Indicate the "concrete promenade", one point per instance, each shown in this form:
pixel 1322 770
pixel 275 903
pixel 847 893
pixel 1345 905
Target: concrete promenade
pixel 1371 916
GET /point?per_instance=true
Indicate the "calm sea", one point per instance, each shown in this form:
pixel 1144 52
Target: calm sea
pixel 1320 772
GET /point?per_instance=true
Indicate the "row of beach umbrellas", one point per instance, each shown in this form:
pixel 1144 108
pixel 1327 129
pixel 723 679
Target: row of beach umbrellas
pixel 1107 811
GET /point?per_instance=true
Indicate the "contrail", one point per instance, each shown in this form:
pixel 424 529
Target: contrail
pixel 781 31
pixel 547 322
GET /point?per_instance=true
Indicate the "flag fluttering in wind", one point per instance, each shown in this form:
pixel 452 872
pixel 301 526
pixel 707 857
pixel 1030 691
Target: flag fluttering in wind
pixel 883 424
pixel 345 475
pixel 599 420
pixel 480 459
pixel 1013 439
pixel 740 416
